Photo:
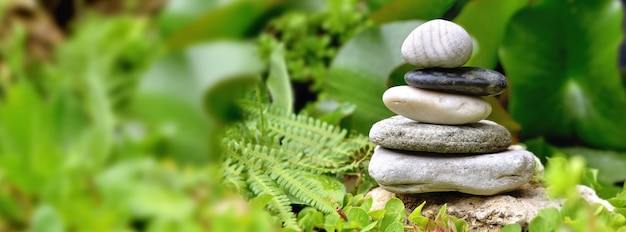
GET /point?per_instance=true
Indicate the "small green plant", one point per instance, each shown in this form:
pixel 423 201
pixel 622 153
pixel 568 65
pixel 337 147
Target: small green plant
pixel 442 221
pixel 356 215
pixel 562 176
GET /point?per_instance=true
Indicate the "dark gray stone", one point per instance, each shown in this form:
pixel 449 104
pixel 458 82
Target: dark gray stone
pixel 464 80
pixel 422 172
pixel 401 133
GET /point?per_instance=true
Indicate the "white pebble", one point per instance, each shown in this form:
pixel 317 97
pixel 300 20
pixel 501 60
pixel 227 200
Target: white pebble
pixel 437 43
pixel 435 107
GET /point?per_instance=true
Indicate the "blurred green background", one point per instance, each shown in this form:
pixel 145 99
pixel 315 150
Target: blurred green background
pixel 113 114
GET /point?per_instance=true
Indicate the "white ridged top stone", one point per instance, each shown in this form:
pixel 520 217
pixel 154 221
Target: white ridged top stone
pixel 437 43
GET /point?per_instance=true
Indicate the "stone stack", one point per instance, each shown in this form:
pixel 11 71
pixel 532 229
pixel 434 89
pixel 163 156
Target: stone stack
pixel 440 140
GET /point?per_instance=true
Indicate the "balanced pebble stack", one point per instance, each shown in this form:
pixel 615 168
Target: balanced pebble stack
pixel 440 140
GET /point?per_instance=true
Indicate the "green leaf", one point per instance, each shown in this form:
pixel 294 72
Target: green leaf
pixel 395 227
pixel 188 96
pixel 379 214
pixel 261 201
pixel 278 81
pixel 28 155
pixel 46 219
pixel 332 222
pixel 330 186
pixel 442 211
pixel 359 216
pixel 367 204
pixel 548 219
pixel 395 205
pixel 360 71
pixel 512 228
pixel 369 227
pixel 563 176
pixel 309 218
pixel 416 216
pixel 183 25
pixel 561 60
pixel 495 13
pixel 397 10
pixel 394 212
pixel 609 163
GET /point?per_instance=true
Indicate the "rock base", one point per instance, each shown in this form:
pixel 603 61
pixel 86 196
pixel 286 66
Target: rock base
pixel 485 213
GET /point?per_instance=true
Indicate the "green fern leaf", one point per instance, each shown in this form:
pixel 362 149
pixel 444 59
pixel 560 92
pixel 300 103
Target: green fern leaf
pixel 303 189
pixel 282 151
pixel 280 204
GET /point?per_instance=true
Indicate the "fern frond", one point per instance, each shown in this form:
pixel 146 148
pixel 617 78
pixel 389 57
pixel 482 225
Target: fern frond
pixel 280 204
pixel 256 155
pixel 302 188
pixel 282 151
pixel 233 176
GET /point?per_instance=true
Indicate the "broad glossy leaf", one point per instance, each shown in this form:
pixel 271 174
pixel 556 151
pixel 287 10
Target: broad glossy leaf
pixel 561 61
pixel 231 20
pixel 410 9
pixel 187 95
pixel 486 22
pixel 360 71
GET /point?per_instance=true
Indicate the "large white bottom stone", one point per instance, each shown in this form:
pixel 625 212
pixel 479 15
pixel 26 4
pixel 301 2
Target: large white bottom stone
pixel 421 172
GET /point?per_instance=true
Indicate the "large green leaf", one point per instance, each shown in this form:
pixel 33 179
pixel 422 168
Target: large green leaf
pixel 187 95
pixel 359 73
pixel 561 60
pixel 486 22
pixel 188 22
pixel 410 9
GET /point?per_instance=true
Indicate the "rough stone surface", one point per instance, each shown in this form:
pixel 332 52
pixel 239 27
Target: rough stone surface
pixel 435 107
pixel 464 80
pixel 437 43
pixel 485 213
pixel 401 133
pixel 421 172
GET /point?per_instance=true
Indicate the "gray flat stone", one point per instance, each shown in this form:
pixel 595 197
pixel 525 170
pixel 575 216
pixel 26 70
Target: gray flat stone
pixel 464 80
pixel 420 172
pixel 401 133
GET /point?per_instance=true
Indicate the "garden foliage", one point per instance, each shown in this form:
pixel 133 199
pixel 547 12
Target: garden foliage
pixel 246 115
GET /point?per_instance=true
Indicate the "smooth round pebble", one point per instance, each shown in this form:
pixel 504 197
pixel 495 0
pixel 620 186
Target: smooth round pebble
pixel 435 107
pixel 437 43
pixel 401 133
pixel 464 80
pixel 420 172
